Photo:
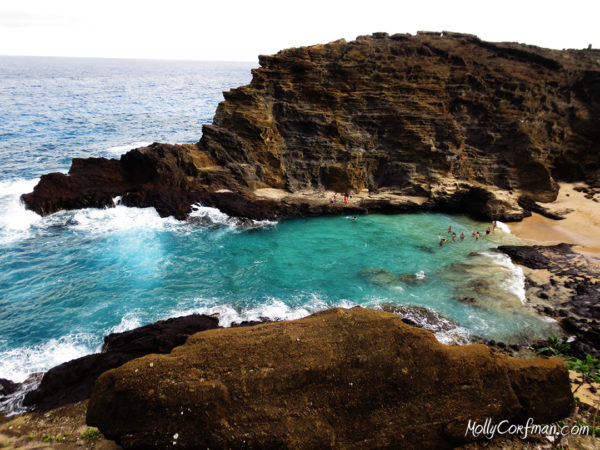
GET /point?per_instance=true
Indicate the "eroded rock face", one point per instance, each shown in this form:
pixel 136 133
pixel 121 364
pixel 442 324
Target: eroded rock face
pixel 339 378
pixel 472 126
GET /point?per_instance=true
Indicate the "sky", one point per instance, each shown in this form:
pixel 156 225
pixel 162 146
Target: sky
pixel 227 30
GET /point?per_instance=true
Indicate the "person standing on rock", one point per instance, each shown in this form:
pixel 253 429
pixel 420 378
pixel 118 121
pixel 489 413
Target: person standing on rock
pixel 346 199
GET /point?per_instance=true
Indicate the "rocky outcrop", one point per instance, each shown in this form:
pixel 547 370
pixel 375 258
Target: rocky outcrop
pixel 468 125
pixel 72 381
pixel 339 378
pixel 570 294
pixel 7 387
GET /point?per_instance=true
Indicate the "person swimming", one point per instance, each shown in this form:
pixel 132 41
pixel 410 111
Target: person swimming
pixel 488 231
pixel 462 236
pixel 477 236
pixel 453 237
pixel 450 229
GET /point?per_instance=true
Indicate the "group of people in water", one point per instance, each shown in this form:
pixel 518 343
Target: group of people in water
pixel 476 235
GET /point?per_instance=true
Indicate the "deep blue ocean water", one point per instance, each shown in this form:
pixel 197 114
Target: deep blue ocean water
pixel 68 279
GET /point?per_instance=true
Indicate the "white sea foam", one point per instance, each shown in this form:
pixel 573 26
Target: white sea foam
pixel 118 219
pixel 514 281
pixel 18 363
pixel 128 322
pixel 15 220
pixel 502 227
pixel 120 149
pixel 209 216
pixel 272 309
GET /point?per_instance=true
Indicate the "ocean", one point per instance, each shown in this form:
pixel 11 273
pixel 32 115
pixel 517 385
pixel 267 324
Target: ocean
pixel 68 279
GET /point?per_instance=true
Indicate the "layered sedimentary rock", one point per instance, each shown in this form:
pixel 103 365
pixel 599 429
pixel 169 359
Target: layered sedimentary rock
pixel 339 378
pixel 466 125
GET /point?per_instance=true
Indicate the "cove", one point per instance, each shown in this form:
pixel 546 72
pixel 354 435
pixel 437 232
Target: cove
pixel 70 278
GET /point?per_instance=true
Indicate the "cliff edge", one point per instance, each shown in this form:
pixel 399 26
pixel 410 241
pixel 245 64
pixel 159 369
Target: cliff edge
pixel 441 121
pixel 354 378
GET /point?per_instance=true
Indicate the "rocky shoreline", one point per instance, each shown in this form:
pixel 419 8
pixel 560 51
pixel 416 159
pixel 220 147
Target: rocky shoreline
pixel 570 294
pixel 485 129
pixel 432 122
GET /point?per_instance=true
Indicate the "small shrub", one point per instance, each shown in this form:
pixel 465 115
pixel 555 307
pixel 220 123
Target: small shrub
pixel 555 347
pixel 47 438
pixel 90 433
pixel 588 368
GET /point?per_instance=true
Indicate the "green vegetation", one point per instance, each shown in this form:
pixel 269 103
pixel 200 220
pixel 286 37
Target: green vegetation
pixel 555 347
pixel 90 433
pixel 588 368
pixel 47 438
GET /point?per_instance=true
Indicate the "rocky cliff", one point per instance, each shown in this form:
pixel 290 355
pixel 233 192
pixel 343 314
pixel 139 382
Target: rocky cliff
pixel 340 378
pixel 461 124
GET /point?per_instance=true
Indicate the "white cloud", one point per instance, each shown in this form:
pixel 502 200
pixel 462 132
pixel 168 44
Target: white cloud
pixel 240 30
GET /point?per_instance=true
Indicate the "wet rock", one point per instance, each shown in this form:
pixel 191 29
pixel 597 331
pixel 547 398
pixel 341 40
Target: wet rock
pixel 7 387
pixel 574 297
pixel 382 277
pixel 358 375
pixel 412 278
pixel 378 276
pixel 72 381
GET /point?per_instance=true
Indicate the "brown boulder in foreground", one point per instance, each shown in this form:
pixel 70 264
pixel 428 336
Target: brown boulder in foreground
pixel 339 378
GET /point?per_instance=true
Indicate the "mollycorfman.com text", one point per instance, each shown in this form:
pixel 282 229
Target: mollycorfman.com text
pixel 489 429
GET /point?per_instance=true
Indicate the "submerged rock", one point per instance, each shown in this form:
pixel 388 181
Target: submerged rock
pixel 332 379
pixel 383 277
pixel 72 381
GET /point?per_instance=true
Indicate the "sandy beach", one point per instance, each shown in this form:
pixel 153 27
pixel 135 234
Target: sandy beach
pixel 581 225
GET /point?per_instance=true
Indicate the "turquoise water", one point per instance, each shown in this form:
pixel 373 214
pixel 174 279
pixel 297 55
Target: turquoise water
pixel 72 277
pixel 68 279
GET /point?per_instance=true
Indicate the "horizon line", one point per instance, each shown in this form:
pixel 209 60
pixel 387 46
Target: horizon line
pixel 132 58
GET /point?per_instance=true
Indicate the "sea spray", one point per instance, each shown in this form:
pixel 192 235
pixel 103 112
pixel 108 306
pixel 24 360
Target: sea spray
pixel 15 221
